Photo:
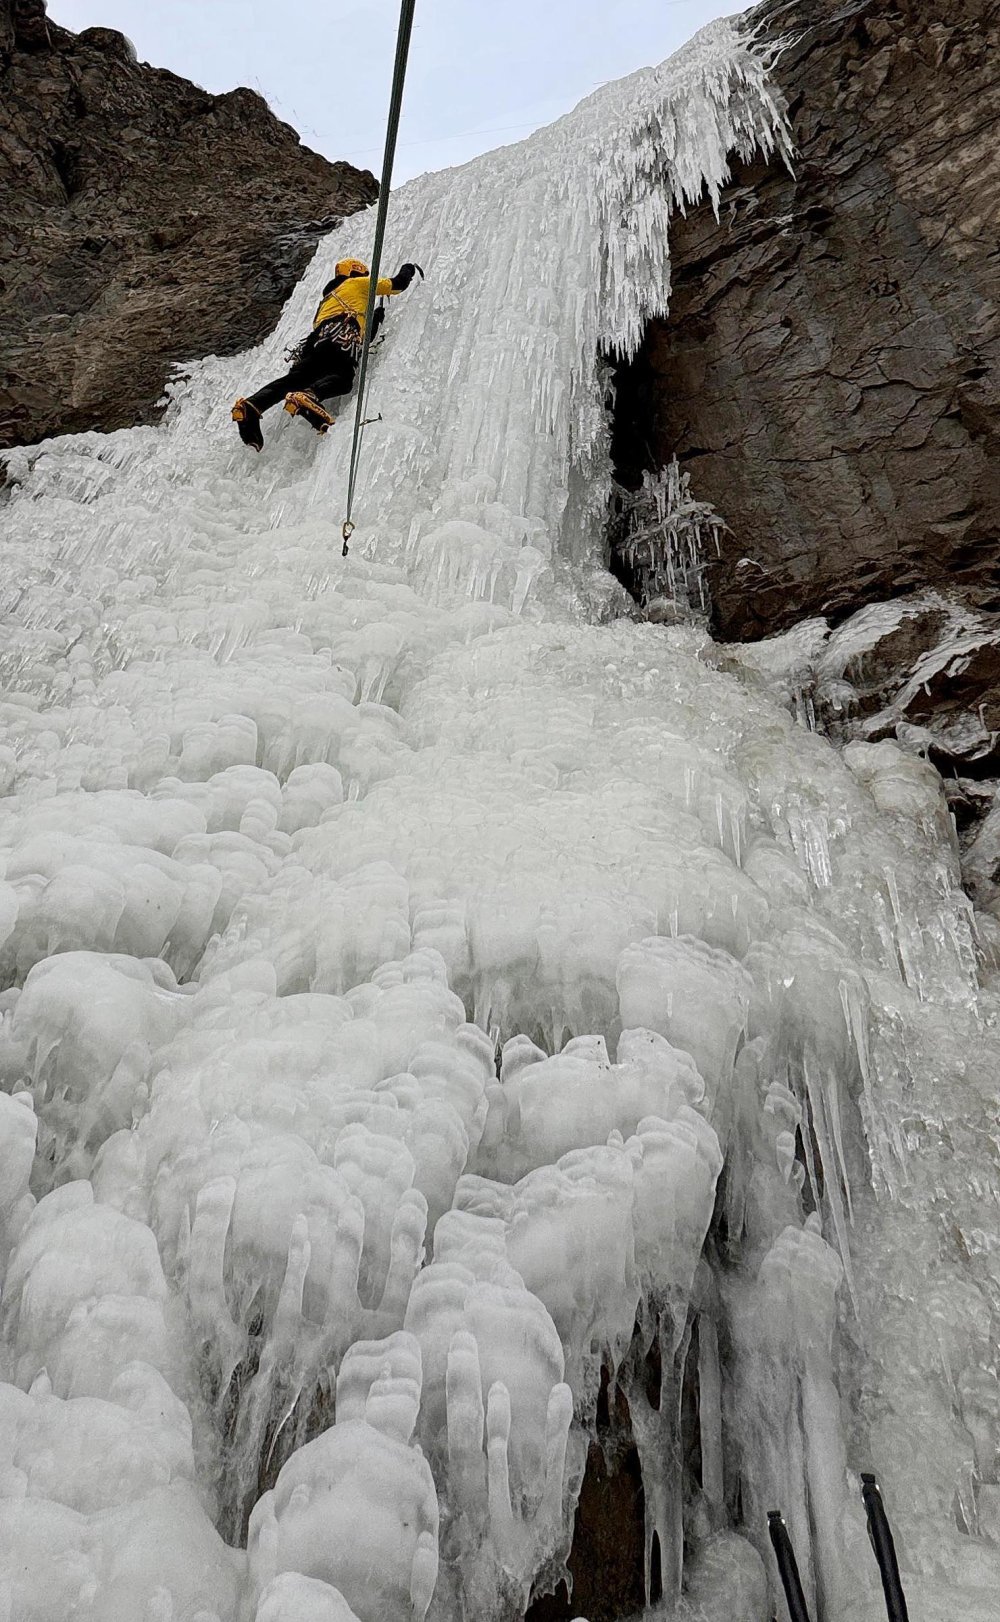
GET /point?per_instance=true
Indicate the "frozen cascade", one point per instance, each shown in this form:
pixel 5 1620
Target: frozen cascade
pixel 665 538
pixel 432 1002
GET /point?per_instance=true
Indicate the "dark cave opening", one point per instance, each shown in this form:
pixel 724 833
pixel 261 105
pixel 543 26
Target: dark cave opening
pixel 607 1557
pixel 663 541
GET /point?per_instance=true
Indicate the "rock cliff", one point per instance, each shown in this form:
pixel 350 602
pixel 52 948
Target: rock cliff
pixel 142 222
pixel 829 374
pixel 828 379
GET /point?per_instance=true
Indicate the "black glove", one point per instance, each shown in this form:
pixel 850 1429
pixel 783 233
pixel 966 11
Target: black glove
pixel 404 276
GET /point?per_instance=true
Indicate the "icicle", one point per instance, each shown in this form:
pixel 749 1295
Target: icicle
pixel 665 538
pixel 276 825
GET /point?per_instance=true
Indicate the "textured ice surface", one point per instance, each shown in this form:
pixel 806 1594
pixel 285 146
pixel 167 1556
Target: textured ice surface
pixel 355 1508
pixel 434 1006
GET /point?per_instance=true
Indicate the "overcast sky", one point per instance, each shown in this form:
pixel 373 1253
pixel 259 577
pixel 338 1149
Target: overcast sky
pixel 481 74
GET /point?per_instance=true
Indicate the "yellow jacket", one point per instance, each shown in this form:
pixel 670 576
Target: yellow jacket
pixel 351 298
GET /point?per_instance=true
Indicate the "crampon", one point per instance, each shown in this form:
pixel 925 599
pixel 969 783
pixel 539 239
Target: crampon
pixel 302 404
pixel 247 420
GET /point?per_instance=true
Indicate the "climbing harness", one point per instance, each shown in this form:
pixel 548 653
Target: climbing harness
pixel 392 130
pixel 340 332
pixel 880 1536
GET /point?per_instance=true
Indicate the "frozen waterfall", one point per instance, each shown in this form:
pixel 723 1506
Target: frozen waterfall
pixel 438 1011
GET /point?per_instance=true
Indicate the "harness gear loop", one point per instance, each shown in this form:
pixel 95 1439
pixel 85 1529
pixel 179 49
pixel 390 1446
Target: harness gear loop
pixel 392 130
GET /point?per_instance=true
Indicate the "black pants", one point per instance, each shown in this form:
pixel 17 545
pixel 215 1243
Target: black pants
pixel 323 368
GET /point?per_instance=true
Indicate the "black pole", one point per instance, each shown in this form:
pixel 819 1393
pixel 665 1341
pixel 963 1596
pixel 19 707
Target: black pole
pixel 880 1534
pixel 784 1554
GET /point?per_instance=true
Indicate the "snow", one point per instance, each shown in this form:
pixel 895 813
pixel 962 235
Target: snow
pixel 423 987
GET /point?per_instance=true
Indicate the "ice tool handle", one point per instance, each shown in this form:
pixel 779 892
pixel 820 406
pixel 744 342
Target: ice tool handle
pixel 880 1534
pixel 882 1543
pixel 392 130
pixel 788 1569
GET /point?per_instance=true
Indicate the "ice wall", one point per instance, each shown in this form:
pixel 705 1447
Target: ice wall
pixel 425 989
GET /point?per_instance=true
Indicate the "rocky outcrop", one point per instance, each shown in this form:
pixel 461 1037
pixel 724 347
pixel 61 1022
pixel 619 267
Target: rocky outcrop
pixel 142 222
pixel 829 374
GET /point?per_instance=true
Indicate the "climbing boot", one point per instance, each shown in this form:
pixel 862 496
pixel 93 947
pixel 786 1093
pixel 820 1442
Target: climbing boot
pixel 302 403
pixel 247 420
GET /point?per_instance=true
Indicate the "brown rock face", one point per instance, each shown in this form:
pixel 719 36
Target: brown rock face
pixel 829 373
pixel 142 222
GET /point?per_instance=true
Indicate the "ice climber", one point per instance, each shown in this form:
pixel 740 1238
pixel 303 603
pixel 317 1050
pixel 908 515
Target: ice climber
pixel 325 361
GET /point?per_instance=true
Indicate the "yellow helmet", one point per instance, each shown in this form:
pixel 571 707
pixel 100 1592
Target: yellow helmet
pixel 350 267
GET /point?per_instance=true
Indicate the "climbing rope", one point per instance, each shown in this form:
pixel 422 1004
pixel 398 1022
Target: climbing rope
pixel 395 106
